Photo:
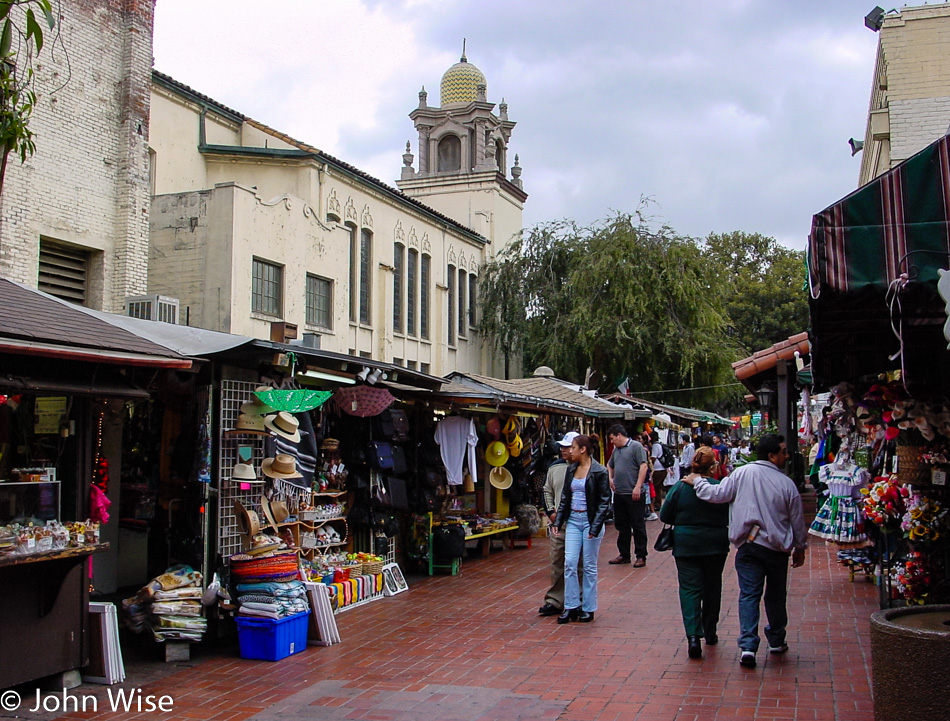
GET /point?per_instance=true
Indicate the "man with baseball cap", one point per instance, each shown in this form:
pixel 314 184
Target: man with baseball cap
pixel 553 485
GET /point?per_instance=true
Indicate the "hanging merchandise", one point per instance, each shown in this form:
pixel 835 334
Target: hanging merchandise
pixel 362 401
pixel 292 401
pixel 841 519
pixel 456 436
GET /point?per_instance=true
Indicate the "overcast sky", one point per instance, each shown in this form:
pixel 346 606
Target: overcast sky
pixel 729 115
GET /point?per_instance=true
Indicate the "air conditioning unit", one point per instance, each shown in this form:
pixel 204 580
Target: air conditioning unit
pixel 153 307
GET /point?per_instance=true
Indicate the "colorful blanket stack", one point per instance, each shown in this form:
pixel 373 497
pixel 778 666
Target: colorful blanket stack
pixel 355 590
pixel 268 586
pixel 169 606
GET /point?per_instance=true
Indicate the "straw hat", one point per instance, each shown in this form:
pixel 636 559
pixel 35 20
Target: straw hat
pixel 244 472
pixel 256 406
pixel 284 425
pixel 280 466
pixel 248 523
pixel 329 444
pixel 275 511
pixel 249 422
pixel 496 454
pixel 500 478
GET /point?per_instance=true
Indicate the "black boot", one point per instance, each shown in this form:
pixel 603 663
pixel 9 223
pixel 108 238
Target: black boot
pixel 567 615
pixel 694 647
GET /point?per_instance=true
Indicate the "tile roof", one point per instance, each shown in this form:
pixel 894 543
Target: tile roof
pixel 766 359
pixel 31 315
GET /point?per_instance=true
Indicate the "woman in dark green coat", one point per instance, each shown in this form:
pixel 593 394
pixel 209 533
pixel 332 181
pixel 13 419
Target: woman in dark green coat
pixel 700 547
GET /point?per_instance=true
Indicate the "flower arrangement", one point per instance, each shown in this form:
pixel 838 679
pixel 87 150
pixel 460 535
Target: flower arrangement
pixel 912 578
pixel 884 502
pixel 923 518
pixel 936 454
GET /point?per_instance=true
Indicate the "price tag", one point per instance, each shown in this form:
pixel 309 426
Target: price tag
pixel 939 478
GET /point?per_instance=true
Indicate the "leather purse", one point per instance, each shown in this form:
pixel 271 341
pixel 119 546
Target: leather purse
pixel 382 455
pixel 399 461
pixel 664 541
pixel 400 423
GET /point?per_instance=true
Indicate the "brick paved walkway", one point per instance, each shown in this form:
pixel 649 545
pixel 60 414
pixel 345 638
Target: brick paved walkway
pixel 472 648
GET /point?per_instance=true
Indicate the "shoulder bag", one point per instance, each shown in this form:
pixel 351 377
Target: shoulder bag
pixel 664 541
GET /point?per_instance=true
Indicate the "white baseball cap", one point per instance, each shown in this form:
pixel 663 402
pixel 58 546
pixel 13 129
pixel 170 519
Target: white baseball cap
pixel 568 438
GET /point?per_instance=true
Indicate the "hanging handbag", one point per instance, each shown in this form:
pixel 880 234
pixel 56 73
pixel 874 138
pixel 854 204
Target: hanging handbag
pixel 400 425
pixel 382 455
pixel 399 460
pixel 664 541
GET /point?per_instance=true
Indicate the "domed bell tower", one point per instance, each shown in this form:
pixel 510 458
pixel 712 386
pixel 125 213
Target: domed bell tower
pixel 463 157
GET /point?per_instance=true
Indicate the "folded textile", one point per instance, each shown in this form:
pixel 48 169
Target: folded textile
pixel 178 594
pixel 259 614
pixel 268 607
pixel 290 589
pixel 180 608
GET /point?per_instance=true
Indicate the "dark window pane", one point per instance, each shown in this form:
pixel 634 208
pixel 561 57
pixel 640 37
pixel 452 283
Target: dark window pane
pixel 319 293
pixel 424 274
pixel 266 284
pixel 472 298
pixel 398 282
pixel 411 274
pixel 451 309
pixel 366 249
pixel 463 286
pixel 354 274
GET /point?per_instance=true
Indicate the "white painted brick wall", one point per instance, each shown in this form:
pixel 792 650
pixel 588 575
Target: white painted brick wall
pixel 87 184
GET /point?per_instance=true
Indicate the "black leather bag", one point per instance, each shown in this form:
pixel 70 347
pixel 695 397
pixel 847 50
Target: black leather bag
pixel 384 422
pixel 664 541
pixel 448 542
pixel 400 423
pixel 400 466
pixel 398 495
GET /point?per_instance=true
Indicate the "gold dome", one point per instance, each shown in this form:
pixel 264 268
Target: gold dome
pixel 460 83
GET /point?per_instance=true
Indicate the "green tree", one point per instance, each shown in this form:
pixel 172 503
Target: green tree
pixel 619 298
pixel 20 41
pixel 762 285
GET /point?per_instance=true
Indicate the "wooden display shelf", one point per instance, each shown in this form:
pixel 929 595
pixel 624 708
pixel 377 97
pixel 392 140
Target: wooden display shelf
pixel 17 559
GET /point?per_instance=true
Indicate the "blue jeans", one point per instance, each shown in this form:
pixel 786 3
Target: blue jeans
pixel 758 566
pixel 578 546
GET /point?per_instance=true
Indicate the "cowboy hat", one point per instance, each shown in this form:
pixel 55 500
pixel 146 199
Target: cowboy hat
pixel 256 406
pixel 244 472
pixel 500 478
pixel 284 425
pixel 280 466
pixel 248 523
pixel 249 422
pixel 496 454
pixel 275 511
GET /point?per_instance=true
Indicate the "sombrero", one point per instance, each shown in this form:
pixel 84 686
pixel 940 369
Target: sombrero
pixel 500 478
pixel 496 454
pixel 249 422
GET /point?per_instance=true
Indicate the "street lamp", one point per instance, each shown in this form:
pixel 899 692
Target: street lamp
pixel 765 395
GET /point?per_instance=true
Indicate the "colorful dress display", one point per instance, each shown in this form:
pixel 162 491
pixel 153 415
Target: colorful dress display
pixel 841 520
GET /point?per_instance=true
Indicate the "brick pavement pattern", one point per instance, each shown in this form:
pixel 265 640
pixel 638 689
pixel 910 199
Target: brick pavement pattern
pixel 472 648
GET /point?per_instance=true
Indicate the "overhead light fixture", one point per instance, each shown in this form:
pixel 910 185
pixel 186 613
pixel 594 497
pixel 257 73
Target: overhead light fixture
pixel 317 375
pixel 376 376
pixel 765 395
pixel 856 146
pixel 874 19
pixel 362 375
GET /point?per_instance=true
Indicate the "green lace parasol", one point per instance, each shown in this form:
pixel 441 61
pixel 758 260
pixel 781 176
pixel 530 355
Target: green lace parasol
pixel 293 401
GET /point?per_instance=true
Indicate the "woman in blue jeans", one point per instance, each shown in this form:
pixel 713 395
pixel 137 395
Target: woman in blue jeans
pixel 583 510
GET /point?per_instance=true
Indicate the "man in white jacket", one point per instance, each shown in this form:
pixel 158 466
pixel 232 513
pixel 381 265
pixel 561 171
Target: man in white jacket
pixel 766 525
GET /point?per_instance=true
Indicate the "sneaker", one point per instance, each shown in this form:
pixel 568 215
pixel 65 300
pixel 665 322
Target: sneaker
pixel 747 659
pixel 778 649
pixel 653 517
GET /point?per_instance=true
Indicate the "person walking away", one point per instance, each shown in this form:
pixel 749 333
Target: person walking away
pixel 551 491
pixel 584 503
pixel 659 474
pixel 700 548
pixel 766 525
pixel 627 470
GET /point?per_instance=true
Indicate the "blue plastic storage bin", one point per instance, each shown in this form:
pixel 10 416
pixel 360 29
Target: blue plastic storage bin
pixel 269 639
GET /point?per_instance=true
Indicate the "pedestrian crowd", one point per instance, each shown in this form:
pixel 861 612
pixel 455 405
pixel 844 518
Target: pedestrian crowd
pixel 710 496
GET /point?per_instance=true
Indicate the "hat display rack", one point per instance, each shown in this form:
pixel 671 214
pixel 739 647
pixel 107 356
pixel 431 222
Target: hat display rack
pixel 251 485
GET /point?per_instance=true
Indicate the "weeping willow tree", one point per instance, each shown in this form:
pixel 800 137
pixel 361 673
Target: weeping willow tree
pixel 616 299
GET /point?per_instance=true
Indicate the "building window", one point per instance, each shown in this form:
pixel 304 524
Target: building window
pixel 472 298
pixel 425 273
pixel 463 310
pixel 319 301
pixel 354 274
pixel 412 272
pixel 333 218
pixel 398 361
pixel 451 310
pixel 266 288
pixel 63 271
pixel 450 154
pixel 412 365
pixel 424 368
pixel 399 254
pixel 366 257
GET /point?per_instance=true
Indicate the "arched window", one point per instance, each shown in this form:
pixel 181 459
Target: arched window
pixel 450 154
pixel 399 254
pixel 366 257
pixel 412 294
pixel 462 311
pixel 354 294
pixel 450 278
pixel 500 156
pixel 425 295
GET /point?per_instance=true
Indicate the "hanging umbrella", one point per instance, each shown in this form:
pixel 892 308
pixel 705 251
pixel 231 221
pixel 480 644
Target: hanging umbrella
pixel 363 401
pixel 293 401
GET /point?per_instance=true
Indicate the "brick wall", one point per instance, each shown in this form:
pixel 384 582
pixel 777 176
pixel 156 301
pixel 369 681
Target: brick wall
pixel 87 184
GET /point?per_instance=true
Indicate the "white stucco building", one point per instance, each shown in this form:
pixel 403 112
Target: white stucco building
pixel 910 92
pixel 257 233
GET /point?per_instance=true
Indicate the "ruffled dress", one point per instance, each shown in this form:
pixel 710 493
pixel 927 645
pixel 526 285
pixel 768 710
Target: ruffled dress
pixel 841 518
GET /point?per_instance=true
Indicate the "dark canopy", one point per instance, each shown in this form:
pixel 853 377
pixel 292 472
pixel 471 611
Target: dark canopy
pixel 872 263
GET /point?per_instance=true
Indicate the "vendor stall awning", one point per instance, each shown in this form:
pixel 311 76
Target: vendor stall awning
pixel 873 259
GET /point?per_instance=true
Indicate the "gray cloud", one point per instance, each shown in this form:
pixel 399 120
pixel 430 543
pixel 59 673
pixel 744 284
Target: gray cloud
pixel 733 116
